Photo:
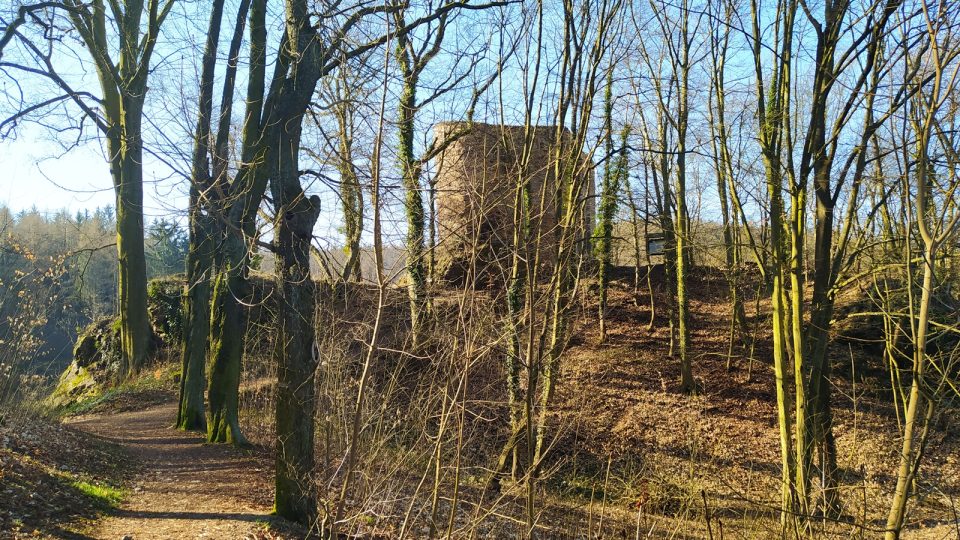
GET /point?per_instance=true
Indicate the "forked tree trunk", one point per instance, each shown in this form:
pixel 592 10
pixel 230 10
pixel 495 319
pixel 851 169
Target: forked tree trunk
pixel 296 352
pixel 773 100
pixel 196 297
pixel 237 215
pixel 937 229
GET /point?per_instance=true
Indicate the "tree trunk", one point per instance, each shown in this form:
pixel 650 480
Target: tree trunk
pixel 237 223
pixel 226 344
pixel 296 357
pixel 196 298
pixel 350 194
pixel 820 413
pixel 135 332
pixel 196 325
pixel 123 81
pixel 413 200
pixel 296 351
pixel 682 223
pixel 608 207
pixel 801 369
pixel 913 422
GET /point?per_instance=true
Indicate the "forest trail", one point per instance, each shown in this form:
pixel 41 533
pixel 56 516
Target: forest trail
pixel 182 488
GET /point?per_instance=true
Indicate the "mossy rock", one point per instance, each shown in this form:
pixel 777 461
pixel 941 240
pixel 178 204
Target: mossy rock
pixel 97 363
pixel 75 385
pixel 165 307
pixel 99 345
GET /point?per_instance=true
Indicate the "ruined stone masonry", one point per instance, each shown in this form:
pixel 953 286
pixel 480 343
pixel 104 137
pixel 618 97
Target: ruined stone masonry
pixel 476 183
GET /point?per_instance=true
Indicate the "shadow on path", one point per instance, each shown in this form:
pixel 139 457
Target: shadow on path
pixel 183 488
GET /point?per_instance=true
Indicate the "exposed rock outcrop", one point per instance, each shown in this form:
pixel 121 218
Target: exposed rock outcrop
pixel 97 358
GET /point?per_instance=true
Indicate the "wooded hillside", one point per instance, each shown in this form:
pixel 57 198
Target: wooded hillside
pixel 704 268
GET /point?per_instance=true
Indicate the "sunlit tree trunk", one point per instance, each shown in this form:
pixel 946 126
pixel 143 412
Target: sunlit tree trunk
pixel 196 298
pixel 936 228
pixel 235 210
pixel 681 230
pixel 614 172
pixel 124 85
pixel 772 112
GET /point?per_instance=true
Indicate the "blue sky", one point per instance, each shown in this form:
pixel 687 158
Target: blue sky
pixel 35 170
pixel 36 173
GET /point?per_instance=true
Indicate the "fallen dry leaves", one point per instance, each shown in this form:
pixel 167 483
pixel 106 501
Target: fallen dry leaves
pixel 41 462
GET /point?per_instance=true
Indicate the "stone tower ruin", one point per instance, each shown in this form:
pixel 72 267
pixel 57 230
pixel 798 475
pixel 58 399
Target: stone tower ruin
pixel 476 178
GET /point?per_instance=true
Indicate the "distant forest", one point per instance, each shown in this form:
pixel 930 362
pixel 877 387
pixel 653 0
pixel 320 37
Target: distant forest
pixel 68 262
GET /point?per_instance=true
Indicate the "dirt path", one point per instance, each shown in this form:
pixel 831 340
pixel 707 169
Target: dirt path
pixel 182 488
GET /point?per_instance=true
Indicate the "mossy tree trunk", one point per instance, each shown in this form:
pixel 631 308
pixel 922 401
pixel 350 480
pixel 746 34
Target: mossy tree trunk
pixel 796 225
pixel 772 111
pixel 124 85
pixel 226 350
pixel 681 230
pixel 235 209
pixel 413 209
pixel 196 297
pixel 196 330
pixel 412 61
pixel 296 214
pixel 614 172
pixel 296 492
pixel 410 68
pixel 135 331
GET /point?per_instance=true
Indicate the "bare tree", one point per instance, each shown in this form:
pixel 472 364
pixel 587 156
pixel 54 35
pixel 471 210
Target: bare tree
pixel 935 219
pixel 414 54
pixel 117 114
